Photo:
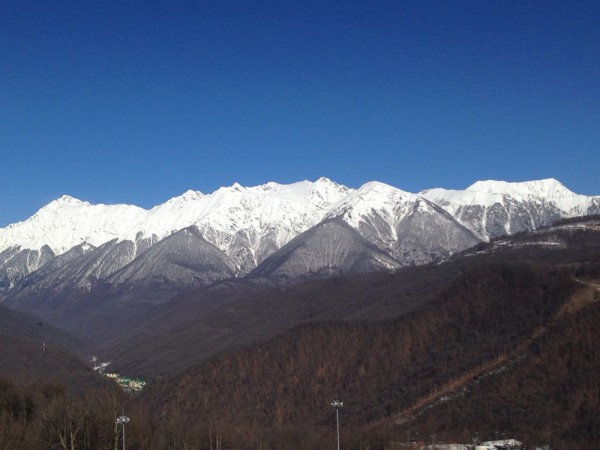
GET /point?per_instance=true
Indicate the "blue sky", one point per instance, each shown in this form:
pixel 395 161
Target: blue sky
pixel 136 102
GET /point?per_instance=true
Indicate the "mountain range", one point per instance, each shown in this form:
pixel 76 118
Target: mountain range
pixel 500 337
pixel 71 251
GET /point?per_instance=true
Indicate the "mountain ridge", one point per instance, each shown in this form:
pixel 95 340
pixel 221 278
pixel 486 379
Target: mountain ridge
pixel 278 233
pixel 39 229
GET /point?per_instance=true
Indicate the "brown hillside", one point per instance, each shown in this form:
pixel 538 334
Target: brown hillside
pixel 380 368
pixel 546 393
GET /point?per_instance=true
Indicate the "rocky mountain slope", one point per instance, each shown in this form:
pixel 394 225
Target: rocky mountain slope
pixel 190 328
pixel 281 233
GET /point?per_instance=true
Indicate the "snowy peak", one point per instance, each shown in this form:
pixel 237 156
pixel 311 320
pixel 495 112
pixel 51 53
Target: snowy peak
pixel 235 187
pixel 373 197
pixel 375 211
pixel 67 222
pixel 490 192
pixel 282 211
pixel 377 187
pixel 495 208
pixel 451 198
pixel 249 223
pixel 244 227
pixel 323 189
pixel 62 205
pixel 65 200
pixel 548 188
pixel 189 196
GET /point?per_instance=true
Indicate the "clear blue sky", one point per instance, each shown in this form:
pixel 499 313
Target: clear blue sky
pixel 136 102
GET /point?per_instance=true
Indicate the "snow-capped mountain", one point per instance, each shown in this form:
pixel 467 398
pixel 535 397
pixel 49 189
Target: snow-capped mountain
pixel 246 223
pixel 285 231
pixel 496 208
pixel 67 222
pixel 407 226
pixel 330 248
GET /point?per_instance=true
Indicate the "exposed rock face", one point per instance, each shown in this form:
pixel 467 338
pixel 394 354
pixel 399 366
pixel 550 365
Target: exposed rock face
pixel 16 263
pixel 428 233
pixel 72 249
pixel 184 258
pixel 496 208
pixel 330 248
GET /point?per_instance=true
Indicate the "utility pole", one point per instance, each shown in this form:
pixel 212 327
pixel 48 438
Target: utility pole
pixel 123 420
pixel 337 405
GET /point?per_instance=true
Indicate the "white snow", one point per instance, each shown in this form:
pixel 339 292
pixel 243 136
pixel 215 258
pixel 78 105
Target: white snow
pixel 67 222
pixel 272 211
pixel 487 193
pixel 456 198
pixel 549 190
pixel 391 203
pixel 538 194
pixel 286 210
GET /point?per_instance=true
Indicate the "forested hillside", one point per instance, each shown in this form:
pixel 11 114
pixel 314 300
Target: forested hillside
pixel 496 318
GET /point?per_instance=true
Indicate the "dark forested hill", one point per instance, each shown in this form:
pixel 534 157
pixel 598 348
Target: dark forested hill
pixel 27 361
pixel 23 326
pixel 479 346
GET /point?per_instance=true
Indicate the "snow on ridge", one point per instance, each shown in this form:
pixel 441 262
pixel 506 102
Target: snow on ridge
pixel 387 201
pixel 270 196
pixel 489 192
pixel 548 188
pixel 67 221
pixel 453 199
pixel 189 195
pixel 279 210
